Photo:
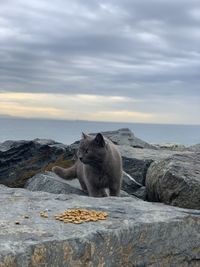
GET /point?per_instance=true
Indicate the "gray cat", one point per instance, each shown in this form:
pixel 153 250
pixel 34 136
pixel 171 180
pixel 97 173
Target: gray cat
pixel 99 166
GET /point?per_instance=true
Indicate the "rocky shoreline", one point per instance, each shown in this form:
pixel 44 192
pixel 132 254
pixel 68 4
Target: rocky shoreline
pixel 137 232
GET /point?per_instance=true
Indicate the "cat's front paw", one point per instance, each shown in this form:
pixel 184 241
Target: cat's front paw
pixel 55 169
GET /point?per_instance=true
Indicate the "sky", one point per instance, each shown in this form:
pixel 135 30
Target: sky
pixel 113 60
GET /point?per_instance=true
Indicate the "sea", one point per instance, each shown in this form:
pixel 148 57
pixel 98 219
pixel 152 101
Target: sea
pixel 67 132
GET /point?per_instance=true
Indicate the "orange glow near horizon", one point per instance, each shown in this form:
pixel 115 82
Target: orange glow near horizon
pixel 77 107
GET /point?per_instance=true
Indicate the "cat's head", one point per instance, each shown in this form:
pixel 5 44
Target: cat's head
pixel 92 150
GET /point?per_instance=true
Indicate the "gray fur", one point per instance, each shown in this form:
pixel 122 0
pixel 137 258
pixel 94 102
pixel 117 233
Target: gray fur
pixel 99 166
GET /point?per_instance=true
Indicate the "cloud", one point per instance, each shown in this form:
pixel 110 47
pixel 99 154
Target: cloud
pixel 60 106
pixel 142 50
pixel 98 107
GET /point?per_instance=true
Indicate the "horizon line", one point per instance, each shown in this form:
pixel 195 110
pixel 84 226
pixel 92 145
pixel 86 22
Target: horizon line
pixel 93 121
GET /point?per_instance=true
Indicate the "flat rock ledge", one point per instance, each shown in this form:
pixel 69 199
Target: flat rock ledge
pixel 136 233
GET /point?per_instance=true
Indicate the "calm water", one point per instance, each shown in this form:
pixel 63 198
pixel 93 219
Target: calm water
pixel 69 131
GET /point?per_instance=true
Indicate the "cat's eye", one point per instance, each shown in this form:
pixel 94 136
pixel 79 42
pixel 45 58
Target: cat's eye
pixel 86 151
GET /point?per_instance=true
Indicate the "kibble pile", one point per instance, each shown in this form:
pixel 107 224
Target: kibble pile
pixel 81 215
pixel 44 214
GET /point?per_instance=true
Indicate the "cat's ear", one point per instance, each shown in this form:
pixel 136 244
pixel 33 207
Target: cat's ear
pixel 84 136
pixel 99 140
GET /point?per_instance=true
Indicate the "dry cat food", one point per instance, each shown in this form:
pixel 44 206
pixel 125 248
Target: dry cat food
pixel 44 214
pixel 81 215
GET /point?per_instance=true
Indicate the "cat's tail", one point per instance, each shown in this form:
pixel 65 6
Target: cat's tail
pixel 67 174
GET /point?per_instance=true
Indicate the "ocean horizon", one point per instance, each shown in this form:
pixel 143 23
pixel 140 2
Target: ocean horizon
pixel 69 131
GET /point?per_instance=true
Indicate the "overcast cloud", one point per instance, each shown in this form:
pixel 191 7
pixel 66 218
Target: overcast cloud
pixel 145 52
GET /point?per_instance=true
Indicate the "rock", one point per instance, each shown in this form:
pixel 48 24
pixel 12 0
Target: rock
pixel 173 147
pixel 137 161
pixel 14 144
pixel 20 160
pixel 9 144
pixel 51 183
pixel 125 136
pixel 147 154
pixel 136 233
pixel 175 181
pixel 194 148
pixel 132 187
pixel 136 168
pixel 130 181
pixel 47 142
pixel 140 193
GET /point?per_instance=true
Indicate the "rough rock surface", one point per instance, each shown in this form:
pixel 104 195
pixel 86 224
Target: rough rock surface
pixel 20 160
pixel 136 168
pixel 140 193
pixel 132 187
pixel 175 181
pixel 14 144
pixel 51 183
pixel 136 233
pixel 195 148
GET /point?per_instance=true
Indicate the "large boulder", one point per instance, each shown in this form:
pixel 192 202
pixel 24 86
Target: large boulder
pixel 175 181
pixel 136 233
pixel 20 160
